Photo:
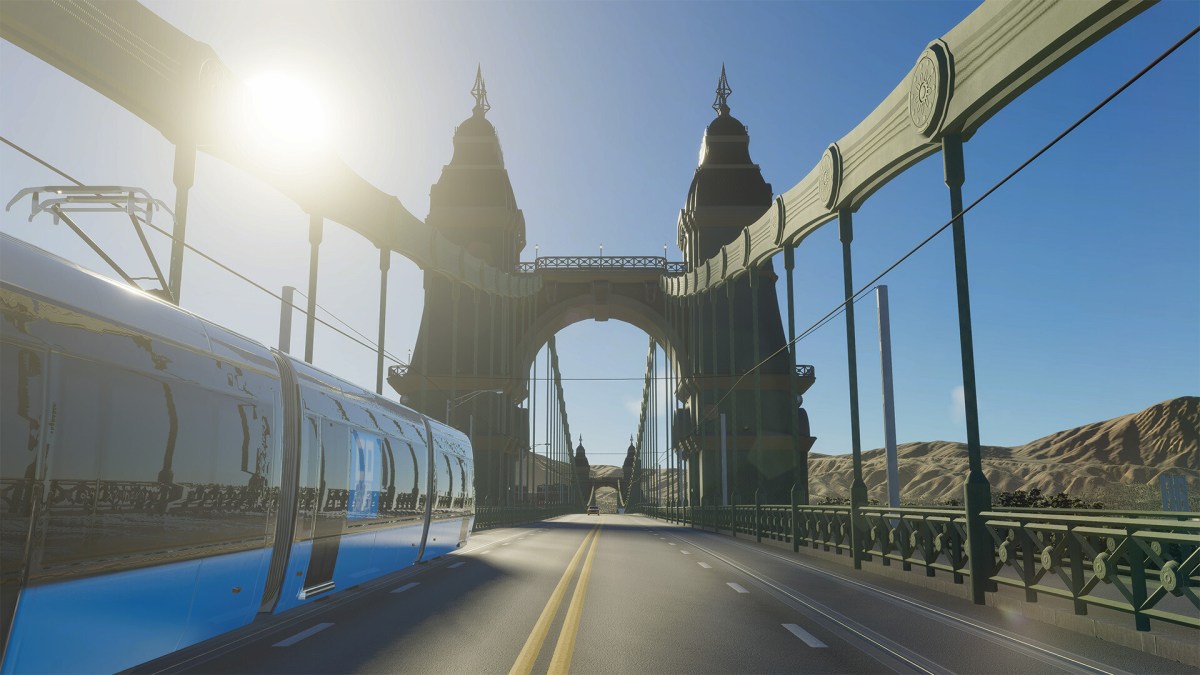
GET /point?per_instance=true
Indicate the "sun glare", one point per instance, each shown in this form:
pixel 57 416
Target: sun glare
pixel 286 113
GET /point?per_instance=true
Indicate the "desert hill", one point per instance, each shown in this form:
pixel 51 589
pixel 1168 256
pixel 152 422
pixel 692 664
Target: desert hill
pixel 1116 462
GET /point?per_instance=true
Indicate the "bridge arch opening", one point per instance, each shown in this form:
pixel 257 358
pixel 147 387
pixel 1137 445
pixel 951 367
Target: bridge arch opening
pixel 603 365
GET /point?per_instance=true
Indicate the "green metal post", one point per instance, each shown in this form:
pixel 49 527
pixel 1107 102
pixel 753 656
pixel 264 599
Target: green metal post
pixel 796 494
pixel 184 177
pixel 316 228
pixel 799 457
pixel 858 489
pixel 977 493
pixel 715 455
pixel 758 516
pixel 733 394
pixel 760 473
pixel 385 262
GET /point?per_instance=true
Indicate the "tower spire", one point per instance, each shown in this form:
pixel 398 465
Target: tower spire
pixel 479 91
pixel 721 104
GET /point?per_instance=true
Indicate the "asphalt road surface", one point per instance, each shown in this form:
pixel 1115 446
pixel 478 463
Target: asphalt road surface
pixel 628 594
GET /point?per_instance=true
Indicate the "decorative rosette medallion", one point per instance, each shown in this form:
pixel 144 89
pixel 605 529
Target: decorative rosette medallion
pixel 929 88
pixel 829 175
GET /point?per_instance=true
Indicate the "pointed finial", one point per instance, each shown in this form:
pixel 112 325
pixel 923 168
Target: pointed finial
pixel 721 104
pixel 479 91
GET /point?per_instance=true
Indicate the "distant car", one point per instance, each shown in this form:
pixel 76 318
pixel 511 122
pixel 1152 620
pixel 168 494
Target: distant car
pixel 593 509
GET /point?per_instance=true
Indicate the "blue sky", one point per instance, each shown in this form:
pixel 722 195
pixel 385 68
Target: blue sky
pixel 1084 277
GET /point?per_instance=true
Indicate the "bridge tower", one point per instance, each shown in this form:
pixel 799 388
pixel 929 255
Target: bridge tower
pixel 583 472
pixel 766 431
pixel 461 367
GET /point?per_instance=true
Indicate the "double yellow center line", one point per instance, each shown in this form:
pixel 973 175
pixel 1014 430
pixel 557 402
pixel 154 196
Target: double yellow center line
pixel 560 662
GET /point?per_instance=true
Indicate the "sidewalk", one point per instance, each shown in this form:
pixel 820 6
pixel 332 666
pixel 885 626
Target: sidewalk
pixel 1165 640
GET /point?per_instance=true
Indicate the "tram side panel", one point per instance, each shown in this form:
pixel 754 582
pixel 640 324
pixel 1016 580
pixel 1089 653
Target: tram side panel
pixel 453 512
pixel 362 493
pixel 145 478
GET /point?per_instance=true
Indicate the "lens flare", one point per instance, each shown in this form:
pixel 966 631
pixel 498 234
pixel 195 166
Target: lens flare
pixel 286 114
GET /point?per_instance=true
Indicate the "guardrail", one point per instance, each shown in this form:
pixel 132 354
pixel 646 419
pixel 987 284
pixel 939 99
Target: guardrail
pixel 1143 563
pixel 488 517
pixel 602 262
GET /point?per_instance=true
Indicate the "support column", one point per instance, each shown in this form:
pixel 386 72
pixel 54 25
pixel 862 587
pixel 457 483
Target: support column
pixel 287 304
pixel 731 338
pixel 889 407
pixel 858 489
pixel 799 456
pixel 756 350
pixel 977 493
pixel 316 227
pixel 385 262
pixel 455 291
pixel 184 177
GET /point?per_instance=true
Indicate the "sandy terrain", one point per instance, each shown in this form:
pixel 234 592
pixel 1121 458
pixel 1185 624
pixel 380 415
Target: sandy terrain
pixel 1116 462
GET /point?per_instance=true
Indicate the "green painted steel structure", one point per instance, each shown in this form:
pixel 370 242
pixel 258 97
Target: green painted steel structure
pixel 1145 564
pixel 492 316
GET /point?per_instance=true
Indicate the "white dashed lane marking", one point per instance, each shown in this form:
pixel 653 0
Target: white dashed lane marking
pixel 405 587
pixel 705 565
pixel 804 635
pixel 303 634
pixel 685 552
pixel 736 587
pixel 486 552
pixel 457 565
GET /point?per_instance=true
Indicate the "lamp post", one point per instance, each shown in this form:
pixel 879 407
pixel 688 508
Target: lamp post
pixel 452 403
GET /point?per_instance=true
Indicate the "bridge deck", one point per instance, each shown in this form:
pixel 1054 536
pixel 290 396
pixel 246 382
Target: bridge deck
pixel 630 594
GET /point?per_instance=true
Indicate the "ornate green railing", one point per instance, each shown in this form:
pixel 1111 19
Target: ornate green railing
pixel 1143 563
pixel 602 262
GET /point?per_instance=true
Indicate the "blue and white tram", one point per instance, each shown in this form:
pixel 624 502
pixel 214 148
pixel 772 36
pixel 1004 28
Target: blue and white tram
pixel 164 480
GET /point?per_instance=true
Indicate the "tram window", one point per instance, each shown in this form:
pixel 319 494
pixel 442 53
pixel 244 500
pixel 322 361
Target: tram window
pixel 333 492
pixel 366 460
pixel 444 486
pixel 130 450
pixel 468 484
pixel 401 481
pixel 21 428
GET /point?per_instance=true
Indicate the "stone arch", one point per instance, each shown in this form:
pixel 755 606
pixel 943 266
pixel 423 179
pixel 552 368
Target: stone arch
pixel 570 311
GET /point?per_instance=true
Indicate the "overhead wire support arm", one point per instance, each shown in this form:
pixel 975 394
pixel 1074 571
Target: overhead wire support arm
pixel 138 204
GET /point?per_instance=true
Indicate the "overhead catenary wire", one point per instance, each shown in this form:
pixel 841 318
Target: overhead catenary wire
pixel 363 342
pixel 1012 174
pixel 350 328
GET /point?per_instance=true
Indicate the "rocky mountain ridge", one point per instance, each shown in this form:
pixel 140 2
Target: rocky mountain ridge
pixel 1116 462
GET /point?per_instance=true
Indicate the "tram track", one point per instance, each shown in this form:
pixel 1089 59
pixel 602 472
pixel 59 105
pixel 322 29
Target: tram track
pixel 271 627
pixel 881 647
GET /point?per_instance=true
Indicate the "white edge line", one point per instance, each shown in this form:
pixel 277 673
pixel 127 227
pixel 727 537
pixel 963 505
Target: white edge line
pixel 405 587
pixel 302 634
pixel 808 638
pixel 736 587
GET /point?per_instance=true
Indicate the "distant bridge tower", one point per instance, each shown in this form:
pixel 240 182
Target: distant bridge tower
pixel 629 478
pixel 767 438
pixel 583 472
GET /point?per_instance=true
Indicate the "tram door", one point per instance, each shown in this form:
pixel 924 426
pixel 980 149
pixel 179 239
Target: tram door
pixel 329 471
